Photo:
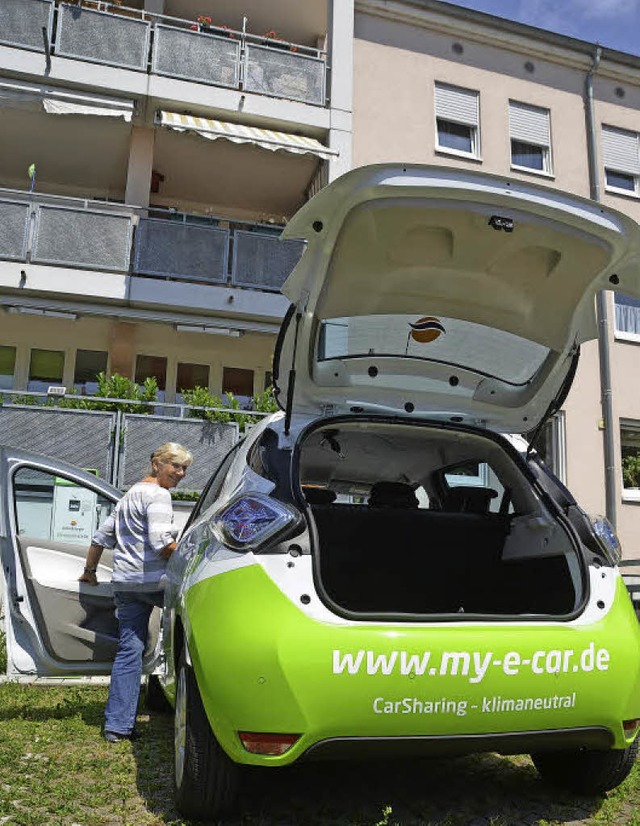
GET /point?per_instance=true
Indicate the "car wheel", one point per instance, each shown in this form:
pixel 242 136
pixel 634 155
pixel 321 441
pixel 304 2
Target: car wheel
pixel 154 697
pixel 206 780
pixel 586 772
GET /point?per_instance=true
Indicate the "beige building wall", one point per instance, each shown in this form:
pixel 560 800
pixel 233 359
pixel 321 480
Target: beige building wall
pixel 125 340
pixel 395 68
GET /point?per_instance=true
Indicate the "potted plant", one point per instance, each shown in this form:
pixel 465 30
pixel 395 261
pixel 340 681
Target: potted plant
pixel 202 24
pixel 271 38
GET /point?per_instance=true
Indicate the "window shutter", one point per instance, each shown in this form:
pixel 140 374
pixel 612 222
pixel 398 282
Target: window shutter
pixel 457 105
pixel 620 150
pixel 529 124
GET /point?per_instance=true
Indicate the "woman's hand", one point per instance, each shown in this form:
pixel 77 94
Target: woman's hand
pixel 89 577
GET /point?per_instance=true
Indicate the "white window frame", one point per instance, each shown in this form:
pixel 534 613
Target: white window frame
pixel 531 126
pixel 621 154
pixel 461 107
pixel 628 494
pixel 619 332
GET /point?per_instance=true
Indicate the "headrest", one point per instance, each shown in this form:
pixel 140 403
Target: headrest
pixel 392 495
pixel 318 496
pixel 469 499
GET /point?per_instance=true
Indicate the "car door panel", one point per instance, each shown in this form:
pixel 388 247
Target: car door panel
pixel 77 620
pixel 55 625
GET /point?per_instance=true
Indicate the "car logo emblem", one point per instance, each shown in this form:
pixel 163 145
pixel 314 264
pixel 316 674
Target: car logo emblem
pixel 426 329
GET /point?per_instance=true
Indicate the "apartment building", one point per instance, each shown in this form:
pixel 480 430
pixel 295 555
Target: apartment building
pixel 172 139
pixel 150 153
pixel 435 83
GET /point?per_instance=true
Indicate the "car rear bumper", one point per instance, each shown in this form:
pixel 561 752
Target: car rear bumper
pixel 520 742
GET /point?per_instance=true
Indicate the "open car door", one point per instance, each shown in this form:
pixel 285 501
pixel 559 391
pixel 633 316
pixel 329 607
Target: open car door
pixel 55 625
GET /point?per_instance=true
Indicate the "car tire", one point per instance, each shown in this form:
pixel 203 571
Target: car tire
pixel 205 778
pixel 154 697
pixel 586 772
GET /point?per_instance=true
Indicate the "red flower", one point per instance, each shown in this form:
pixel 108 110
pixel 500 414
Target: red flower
pixel 270 33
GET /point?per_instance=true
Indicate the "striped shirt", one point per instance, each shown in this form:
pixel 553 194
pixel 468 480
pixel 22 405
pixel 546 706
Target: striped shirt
pixel 138 529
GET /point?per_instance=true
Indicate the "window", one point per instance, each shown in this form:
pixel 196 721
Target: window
pixel 627 315
pixel 152 367
pixel 471 346
pixel 46 368
pixel 190 376
pixel 530 136
pixel 7 367
pixel 54 509
pixel 630 449
pixel 239 382
pixel 88 364
pixel 457 120
pixel 621 157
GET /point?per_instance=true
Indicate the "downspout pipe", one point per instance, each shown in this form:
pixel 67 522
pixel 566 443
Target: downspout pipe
pixel 604 349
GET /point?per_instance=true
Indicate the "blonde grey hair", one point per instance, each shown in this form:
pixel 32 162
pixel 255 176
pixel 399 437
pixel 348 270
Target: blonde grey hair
pixel 172 452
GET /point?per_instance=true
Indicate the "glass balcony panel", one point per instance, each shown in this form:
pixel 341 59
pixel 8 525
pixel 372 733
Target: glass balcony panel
pixel 14 225
pixel 262 261
pixel 76 237
pixel 197 56
pixel 181 250
pixel 102 38
pixel 22 21
pixel 284 74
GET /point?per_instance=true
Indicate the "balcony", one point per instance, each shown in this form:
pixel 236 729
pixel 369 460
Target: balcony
pixel 173 47
pixel 108 237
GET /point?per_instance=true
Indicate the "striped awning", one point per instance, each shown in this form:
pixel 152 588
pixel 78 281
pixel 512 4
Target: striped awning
pixel 238 133
pixel 56 100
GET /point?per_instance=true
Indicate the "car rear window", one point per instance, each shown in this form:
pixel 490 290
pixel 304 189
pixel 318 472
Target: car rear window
pixel 462 344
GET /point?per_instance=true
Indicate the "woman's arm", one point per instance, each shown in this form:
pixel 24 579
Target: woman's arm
pixel 93 557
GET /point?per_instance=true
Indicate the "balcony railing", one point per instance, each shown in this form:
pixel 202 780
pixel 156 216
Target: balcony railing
pixel 70 232
pixel 128 38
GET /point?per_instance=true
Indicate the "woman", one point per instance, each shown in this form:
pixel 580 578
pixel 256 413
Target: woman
pixel 140 531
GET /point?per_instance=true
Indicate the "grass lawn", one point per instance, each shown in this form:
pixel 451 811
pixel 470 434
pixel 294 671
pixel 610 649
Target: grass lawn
pixel 56 769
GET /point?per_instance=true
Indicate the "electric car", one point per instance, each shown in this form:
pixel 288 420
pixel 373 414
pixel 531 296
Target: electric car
pixel 386 566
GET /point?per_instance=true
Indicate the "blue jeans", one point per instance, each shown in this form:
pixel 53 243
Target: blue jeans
pixel 133 612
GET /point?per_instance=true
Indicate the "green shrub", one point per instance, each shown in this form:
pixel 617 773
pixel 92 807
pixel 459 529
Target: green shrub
pixel 185 495
pixel 201 397
pixel 265 402
pixel 631 471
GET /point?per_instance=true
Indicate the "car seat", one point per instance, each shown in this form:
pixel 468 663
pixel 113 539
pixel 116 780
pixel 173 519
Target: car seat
pixel 392 495
pixel 469 499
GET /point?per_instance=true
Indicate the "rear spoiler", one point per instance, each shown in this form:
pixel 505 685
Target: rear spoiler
pixel 632 581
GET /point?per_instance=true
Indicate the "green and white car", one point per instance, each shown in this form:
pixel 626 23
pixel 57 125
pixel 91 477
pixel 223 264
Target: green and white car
pixel 385 566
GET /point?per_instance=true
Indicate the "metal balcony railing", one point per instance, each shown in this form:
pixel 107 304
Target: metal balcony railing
pixel 22 23
pixel 66 232
pixel 99 32
pixel 70 232
pixel 195 55
pixel 102 37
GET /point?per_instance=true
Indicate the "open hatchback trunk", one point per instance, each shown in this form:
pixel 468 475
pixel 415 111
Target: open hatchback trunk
pixel 415 520
pixel 441 293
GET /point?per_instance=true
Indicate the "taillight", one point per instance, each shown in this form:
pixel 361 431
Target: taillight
pixel 607 537
pixel 261 743
pixel 252 519
pixel 630 727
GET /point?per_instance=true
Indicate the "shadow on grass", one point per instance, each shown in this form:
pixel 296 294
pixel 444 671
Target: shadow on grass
pixel 482 790
pixel 21 702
